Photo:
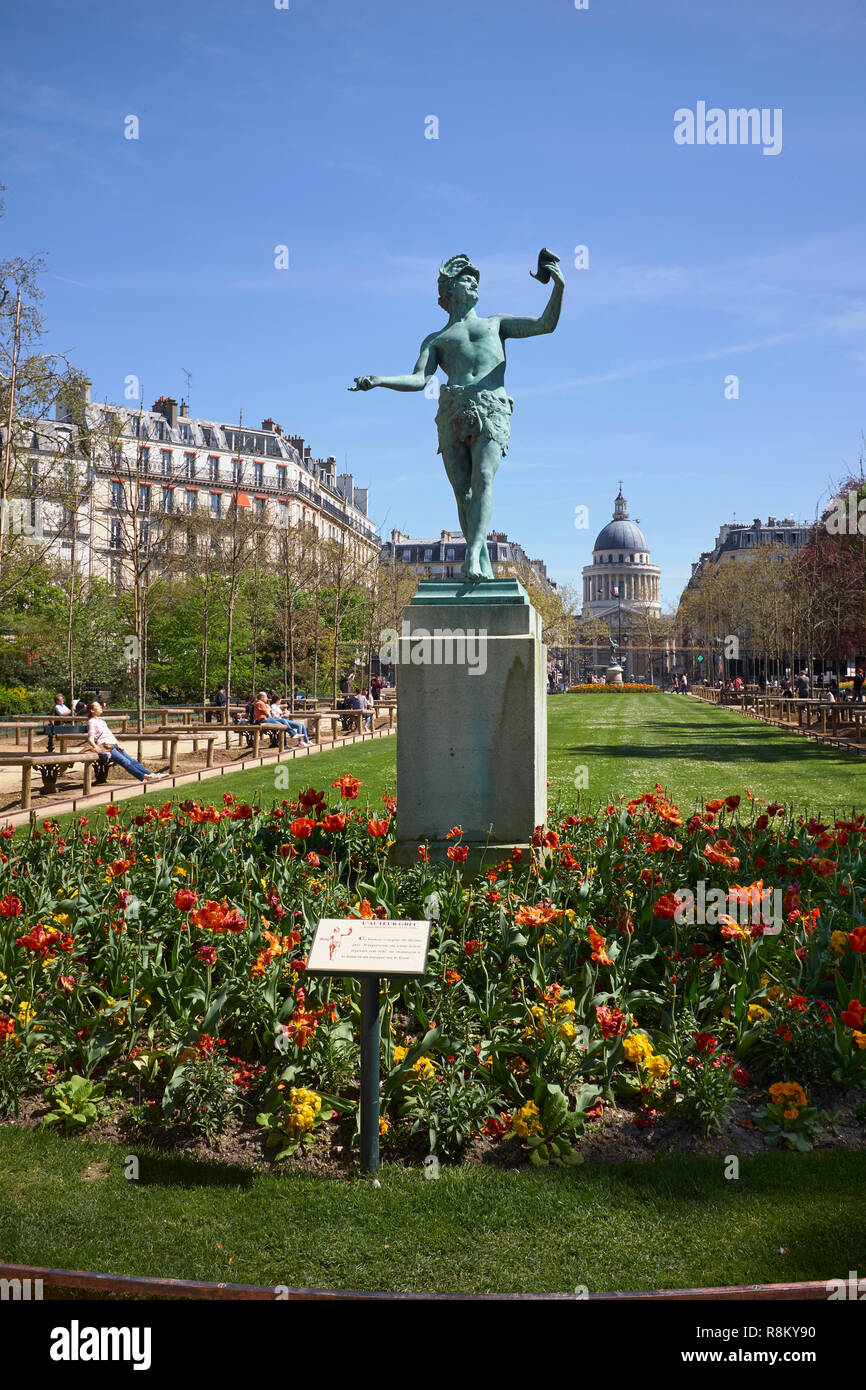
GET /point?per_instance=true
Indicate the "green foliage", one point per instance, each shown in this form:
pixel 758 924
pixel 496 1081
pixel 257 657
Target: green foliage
pixel 560 1126
pixel 450 1108
pixel 20 1066
pixel 16 699
pixel 201 1095
pixel 75 1104
pixel 707 1090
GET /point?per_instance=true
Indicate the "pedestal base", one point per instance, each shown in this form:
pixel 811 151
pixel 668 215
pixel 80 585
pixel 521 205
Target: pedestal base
pixel 613 675
pixel 472 728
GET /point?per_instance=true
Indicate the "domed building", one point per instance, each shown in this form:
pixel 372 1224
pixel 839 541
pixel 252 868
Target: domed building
pixel 620 571
pixel 621 590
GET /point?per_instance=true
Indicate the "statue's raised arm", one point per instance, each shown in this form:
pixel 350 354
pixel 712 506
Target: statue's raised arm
pixel 548 269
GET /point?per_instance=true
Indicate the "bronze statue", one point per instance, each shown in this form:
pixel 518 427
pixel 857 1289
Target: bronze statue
pixel 474 415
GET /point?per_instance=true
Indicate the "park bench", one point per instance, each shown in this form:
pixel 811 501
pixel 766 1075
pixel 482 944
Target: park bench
pixel 50 766
pixel 57 728
pixel 274 734
pixel 169 738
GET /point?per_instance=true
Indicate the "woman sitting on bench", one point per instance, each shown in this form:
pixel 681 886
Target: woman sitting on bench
pixel 101 740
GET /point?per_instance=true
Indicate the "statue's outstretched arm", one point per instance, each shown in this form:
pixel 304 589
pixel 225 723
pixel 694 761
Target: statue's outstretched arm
pixel 413 381
pixel 511 327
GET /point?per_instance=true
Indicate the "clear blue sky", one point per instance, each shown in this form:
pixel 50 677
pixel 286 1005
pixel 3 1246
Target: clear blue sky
pixel 305 127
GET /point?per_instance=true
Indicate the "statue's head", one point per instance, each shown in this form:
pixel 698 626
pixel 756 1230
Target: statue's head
pixel 458 283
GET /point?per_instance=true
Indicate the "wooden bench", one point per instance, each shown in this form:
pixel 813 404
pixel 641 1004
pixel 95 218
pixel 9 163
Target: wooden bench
pixel 50 765
pixel 169 738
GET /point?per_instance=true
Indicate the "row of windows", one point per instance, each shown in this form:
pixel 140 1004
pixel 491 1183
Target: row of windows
pixel 214 470
pixel 249 442
pixel 624 560
pixel 742 538
pixel 190 501
pixel 117 540
pixel 496 553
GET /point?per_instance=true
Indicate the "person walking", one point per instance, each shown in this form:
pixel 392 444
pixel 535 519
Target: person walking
pixel 857 686
pixel 101 740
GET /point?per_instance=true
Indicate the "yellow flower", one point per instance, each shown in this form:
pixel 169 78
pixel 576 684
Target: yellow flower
pixel 383 1125
pixel 181 873
pixel 860 1040
pixel 399 1054
pixel 838 942
pixel 304 1107
pixel 792 1113
pixel 637 1048
pixel 25 1013
pixel 424 1069
pixel 567 1031
pixel 62 919
pixel 658 1066
pixel 757 1013
pixel 525 1121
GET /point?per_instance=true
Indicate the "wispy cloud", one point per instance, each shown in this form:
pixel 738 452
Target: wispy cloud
pixel 656 365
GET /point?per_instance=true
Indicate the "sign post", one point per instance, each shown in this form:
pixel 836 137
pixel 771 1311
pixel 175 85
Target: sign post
pixel 369 1073
pixel 365 949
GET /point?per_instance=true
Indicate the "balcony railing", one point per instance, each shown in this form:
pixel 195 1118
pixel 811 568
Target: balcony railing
pixel 154 473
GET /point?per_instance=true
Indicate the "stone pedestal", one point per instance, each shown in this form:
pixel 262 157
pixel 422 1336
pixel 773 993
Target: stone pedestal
pixel 472 720
pixel 613 675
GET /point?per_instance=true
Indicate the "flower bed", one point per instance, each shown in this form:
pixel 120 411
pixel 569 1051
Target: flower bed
pixel 628 688
pixel 154 970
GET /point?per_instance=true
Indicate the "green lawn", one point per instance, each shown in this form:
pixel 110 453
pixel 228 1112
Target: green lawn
pixel 626 743
pixel 672 1223
pixel 695 750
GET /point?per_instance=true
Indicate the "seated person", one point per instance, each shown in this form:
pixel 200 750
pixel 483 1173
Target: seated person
pixel 60 708
pixel 101 740
pixel 294 726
